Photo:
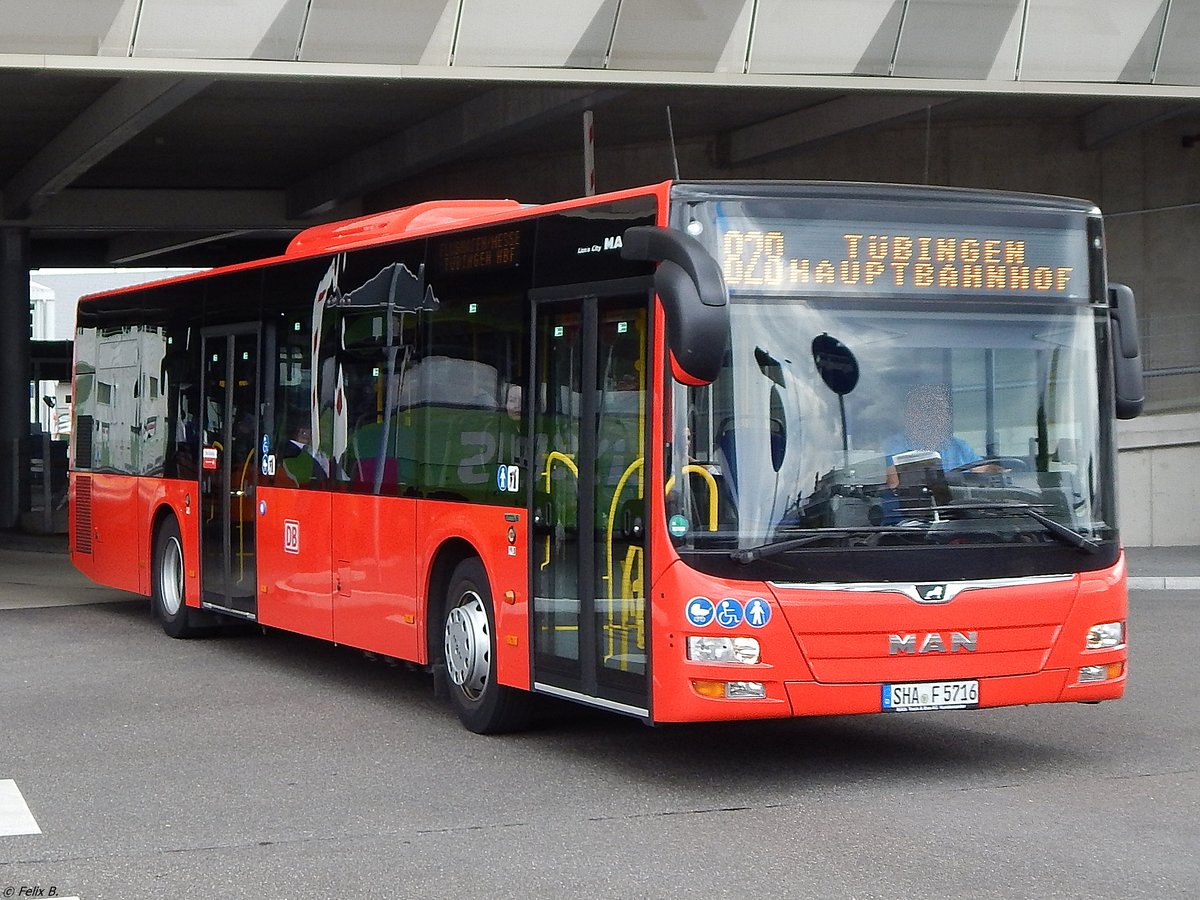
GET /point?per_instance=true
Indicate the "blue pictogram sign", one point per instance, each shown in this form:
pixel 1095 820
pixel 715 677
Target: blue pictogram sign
pixel 729 613
pixel 700 611
pixel 758 612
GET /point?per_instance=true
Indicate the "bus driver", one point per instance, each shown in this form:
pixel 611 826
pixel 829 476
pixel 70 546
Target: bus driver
pixel 928 425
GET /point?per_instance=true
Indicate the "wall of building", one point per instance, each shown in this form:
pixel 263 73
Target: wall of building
pixel 1159 491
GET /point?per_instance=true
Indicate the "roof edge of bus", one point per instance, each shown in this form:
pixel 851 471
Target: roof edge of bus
pixel 427 218
pixel 867 190
pixel 432 215
pixel 418 220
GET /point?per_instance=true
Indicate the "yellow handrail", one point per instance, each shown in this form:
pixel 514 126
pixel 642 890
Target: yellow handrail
pixel 612 515
pixel 632 586
pixel 241 495
pixel 693 469
pixel 609 571
pixel 551 458
pixel 554 456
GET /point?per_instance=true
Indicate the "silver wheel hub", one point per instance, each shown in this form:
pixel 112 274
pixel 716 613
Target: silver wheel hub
pixel 170 579
pixel 468 645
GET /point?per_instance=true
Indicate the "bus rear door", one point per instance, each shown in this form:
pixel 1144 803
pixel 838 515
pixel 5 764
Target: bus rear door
pixel 228 471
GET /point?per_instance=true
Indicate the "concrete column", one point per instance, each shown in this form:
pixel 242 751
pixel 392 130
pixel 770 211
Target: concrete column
pixel 14 371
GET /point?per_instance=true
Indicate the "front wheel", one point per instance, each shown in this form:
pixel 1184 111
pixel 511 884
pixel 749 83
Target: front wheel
pixel 469 653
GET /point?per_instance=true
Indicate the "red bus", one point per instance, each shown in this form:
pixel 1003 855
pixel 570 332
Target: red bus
pixel 691 452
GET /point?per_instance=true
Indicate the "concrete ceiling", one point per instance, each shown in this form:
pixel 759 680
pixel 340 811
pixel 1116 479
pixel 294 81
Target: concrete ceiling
pixel 202 168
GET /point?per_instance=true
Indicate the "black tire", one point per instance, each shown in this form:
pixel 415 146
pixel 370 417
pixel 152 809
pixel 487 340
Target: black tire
pixel 167 586
pixel 468 654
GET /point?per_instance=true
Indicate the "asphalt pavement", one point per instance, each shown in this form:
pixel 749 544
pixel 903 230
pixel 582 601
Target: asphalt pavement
pixel 1163 568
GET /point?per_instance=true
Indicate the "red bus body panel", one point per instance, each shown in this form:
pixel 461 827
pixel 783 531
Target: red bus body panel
pixel 295 586
pixel 827 652
pixel 375 602
pixel 119 524
pixel 125 510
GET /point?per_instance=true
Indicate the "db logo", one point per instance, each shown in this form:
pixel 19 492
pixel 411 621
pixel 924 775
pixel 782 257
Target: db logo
pixel 291 536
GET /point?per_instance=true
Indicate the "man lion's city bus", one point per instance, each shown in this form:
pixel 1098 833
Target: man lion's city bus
pixel 691 452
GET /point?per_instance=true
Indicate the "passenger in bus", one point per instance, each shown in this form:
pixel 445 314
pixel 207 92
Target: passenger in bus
pixel 182 464
pixel 303 464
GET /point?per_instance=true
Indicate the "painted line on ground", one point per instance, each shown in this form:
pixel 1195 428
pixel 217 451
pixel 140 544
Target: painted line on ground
pixel 1164 583
pixel 15 817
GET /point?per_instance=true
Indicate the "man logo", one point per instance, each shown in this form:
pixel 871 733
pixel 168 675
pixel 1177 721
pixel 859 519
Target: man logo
pixel 931 593
pixel 932 643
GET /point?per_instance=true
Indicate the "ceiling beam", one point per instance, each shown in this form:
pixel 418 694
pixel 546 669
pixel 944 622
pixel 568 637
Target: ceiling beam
pixel 197 211
pixel 121 113
pixel 1113 121
pixel 126 249
pixel 482 121
pixel 833 118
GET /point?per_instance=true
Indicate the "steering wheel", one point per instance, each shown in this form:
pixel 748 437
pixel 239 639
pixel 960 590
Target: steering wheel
pixel 1007 463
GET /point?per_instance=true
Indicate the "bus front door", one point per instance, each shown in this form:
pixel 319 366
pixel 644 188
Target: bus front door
pixel 589 497
pixel 228 470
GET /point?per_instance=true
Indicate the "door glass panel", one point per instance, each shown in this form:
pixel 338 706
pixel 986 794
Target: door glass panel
pixel 558 404
pixel 214 442
pixel 620 491
pixel 228 471
pixel 243 397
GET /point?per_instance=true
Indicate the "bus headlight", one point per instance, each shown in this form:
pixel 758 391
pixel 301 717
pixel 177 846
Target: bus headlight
pixel 723 649
pixel 1109 634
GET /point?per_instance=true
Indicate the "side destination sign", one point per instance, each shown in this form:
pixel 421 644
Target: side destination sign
pixel 768 256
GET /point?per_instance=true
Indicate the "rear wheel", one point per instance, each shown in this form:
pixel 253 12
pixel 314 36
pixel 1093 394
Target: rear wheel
pixel 469 654
pixel 167 588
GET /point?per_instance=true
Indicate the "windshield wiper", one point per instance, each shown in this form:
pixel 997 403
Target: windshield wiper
pixel 1057 529
pixel 807 536
pixel 804 537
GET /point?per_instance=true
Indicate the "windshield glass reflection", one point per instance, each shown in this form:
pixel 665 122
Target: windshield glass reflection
pixel 868 423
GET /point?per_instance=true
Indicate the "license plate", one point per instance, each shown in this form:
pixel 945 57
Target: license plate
pixel 930 695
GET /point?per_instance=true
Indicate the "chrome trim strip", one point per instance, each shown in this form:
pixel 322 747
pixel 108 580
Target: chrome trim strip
pixel 591 701
pixel 952 588
pixel 226 611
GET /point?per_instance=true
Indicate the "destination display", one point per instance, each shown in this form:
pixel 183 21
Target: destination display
pixel 779 255
pixel 497 249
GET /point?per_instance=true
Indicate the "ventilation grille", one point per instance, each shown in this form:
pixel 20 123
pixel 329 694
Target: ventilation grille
pixel 83 442
pixel 82 509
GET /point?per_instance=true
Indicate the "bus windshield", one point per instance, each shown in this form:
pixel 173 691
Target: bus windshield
pixel 891 382
pixel 959 421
